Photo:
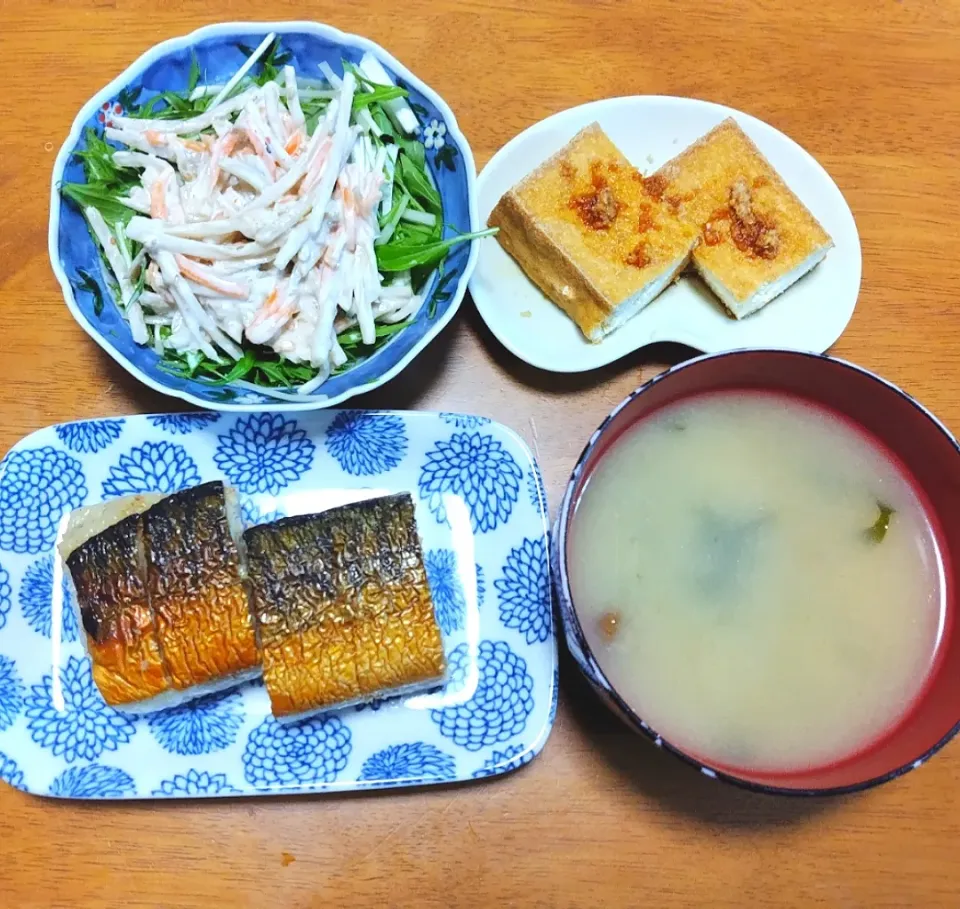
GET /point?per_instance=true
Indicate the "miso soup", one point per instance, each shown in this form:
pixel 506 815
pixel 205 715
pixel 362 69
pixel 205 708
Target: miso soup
pixel 759 581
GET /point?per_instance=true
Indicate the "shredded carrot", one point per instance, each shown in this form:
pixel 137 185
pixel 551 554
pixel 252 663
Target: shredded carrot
pixel 194 271
pixel 223 146
pixel 158 200
pixel 293 143
pixel 193 145
pixel 262 154
pixel 154 137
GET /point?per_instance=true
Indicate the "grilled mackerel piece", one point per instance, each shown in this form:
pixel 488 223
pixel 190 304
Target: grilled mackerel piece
pixel 343 606
pixel 196 590
pixel 161 599
pixel 108 572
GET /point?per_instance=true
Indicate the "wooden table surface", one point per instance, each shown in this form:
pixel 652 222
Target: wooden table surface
pixel 600 818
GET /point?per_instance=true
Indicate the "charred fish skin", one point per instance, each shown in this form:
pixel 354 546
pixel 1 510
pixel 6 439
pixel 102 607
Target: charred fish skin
pixel 108 576
pixel 196 590
pixel 343 605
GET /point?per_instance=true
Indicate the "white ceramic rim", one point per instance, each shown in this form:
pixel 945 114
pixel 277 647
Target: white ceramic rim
pixel 678 336
pixel 244 28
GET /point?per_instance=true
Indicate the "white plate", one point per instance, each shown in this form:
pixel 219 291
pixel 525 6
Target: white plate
pixel 480 513
pixel 650 130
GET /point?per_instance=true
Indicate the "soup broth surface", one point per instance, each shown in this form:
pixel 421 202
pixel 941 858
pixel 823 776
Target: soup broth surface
pixel 758 580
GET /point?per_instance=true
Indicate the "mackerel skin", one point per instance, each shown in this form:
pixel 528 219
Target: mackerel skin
pixel 343 606
pixel 107 572
pixel 196 589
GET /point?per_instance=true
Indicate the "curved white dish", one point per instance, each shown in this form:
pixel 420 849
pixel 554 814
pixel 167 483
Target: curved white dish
pixel 650 130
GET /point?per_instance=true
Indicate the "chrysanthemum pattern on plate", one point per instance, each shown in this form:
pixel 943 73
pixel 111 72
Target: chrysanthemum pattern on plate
pixel 464 420
pixel 227 744
pixel 11 692
pixel 535 488
pixel 10 773
pixel 481 586
pixel 296 755
pixel 93 781
pixel 183 423
pixel 524 591
pixel 478 468
pixel 202 726
pixel 6 595
pixel 86 726
pixel 196 782
pixel 36 600
pixel 252 515
pixel 410 761
pixel 264 453
pixel 37 487
pixel 89 436
pixel 504 761
pixel 501 703
pixel 366 444
pixel 449 602
pixel 152 467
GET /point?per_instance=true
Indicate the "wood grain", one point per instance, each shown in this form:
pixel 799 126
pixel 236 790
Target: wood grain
pixel 600 819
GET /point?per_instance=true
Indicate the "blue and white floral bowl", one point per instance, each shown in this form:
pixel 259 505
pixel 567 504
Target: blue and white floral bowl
pixel 166 66
pixel 480 513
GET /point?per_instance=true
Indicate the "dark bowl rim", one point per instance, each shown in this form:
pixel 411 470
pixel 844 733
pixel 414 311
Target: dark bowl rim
pixel 571 621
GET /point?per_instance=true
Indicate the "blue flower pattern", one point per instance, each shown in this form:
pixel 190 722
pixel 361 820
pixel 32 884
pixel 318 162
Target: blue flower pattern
pixel 499 708
pixel 252 515
pixel 183 423
pixel 366 444
pixel 86 726
pixel 6 595
pixel 481 586
pixel 199 727
pixel 152 467
pixel 511 758
pixel 93 781
pixel 535 488
pixel 10 773
pixel 449 602
pixel 89 436
pixel 413 761
pixel 302 754
pixel 36 600
pixel 264 453
pixel 37 487
pixel 525 593
pixel 464 421
pixel 478 468
pixel 11 693
pixel 195 782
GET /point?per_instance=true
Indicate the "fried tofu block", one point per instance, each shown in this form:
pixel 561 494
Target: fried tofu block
pixel 104 554
pixel 343 606
pixel 757 237
pixel 196 589
pixel 588 231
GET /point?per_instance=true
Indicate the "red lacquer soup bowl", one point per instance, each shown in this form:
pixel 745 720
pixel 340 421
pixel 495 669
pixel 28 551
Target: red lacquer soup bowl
pixel 923 446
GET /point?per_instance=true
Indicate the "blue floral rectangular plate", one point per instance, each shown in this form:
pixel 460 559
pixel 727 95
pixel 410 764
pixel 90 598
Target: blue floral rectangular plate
pixel 481 515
